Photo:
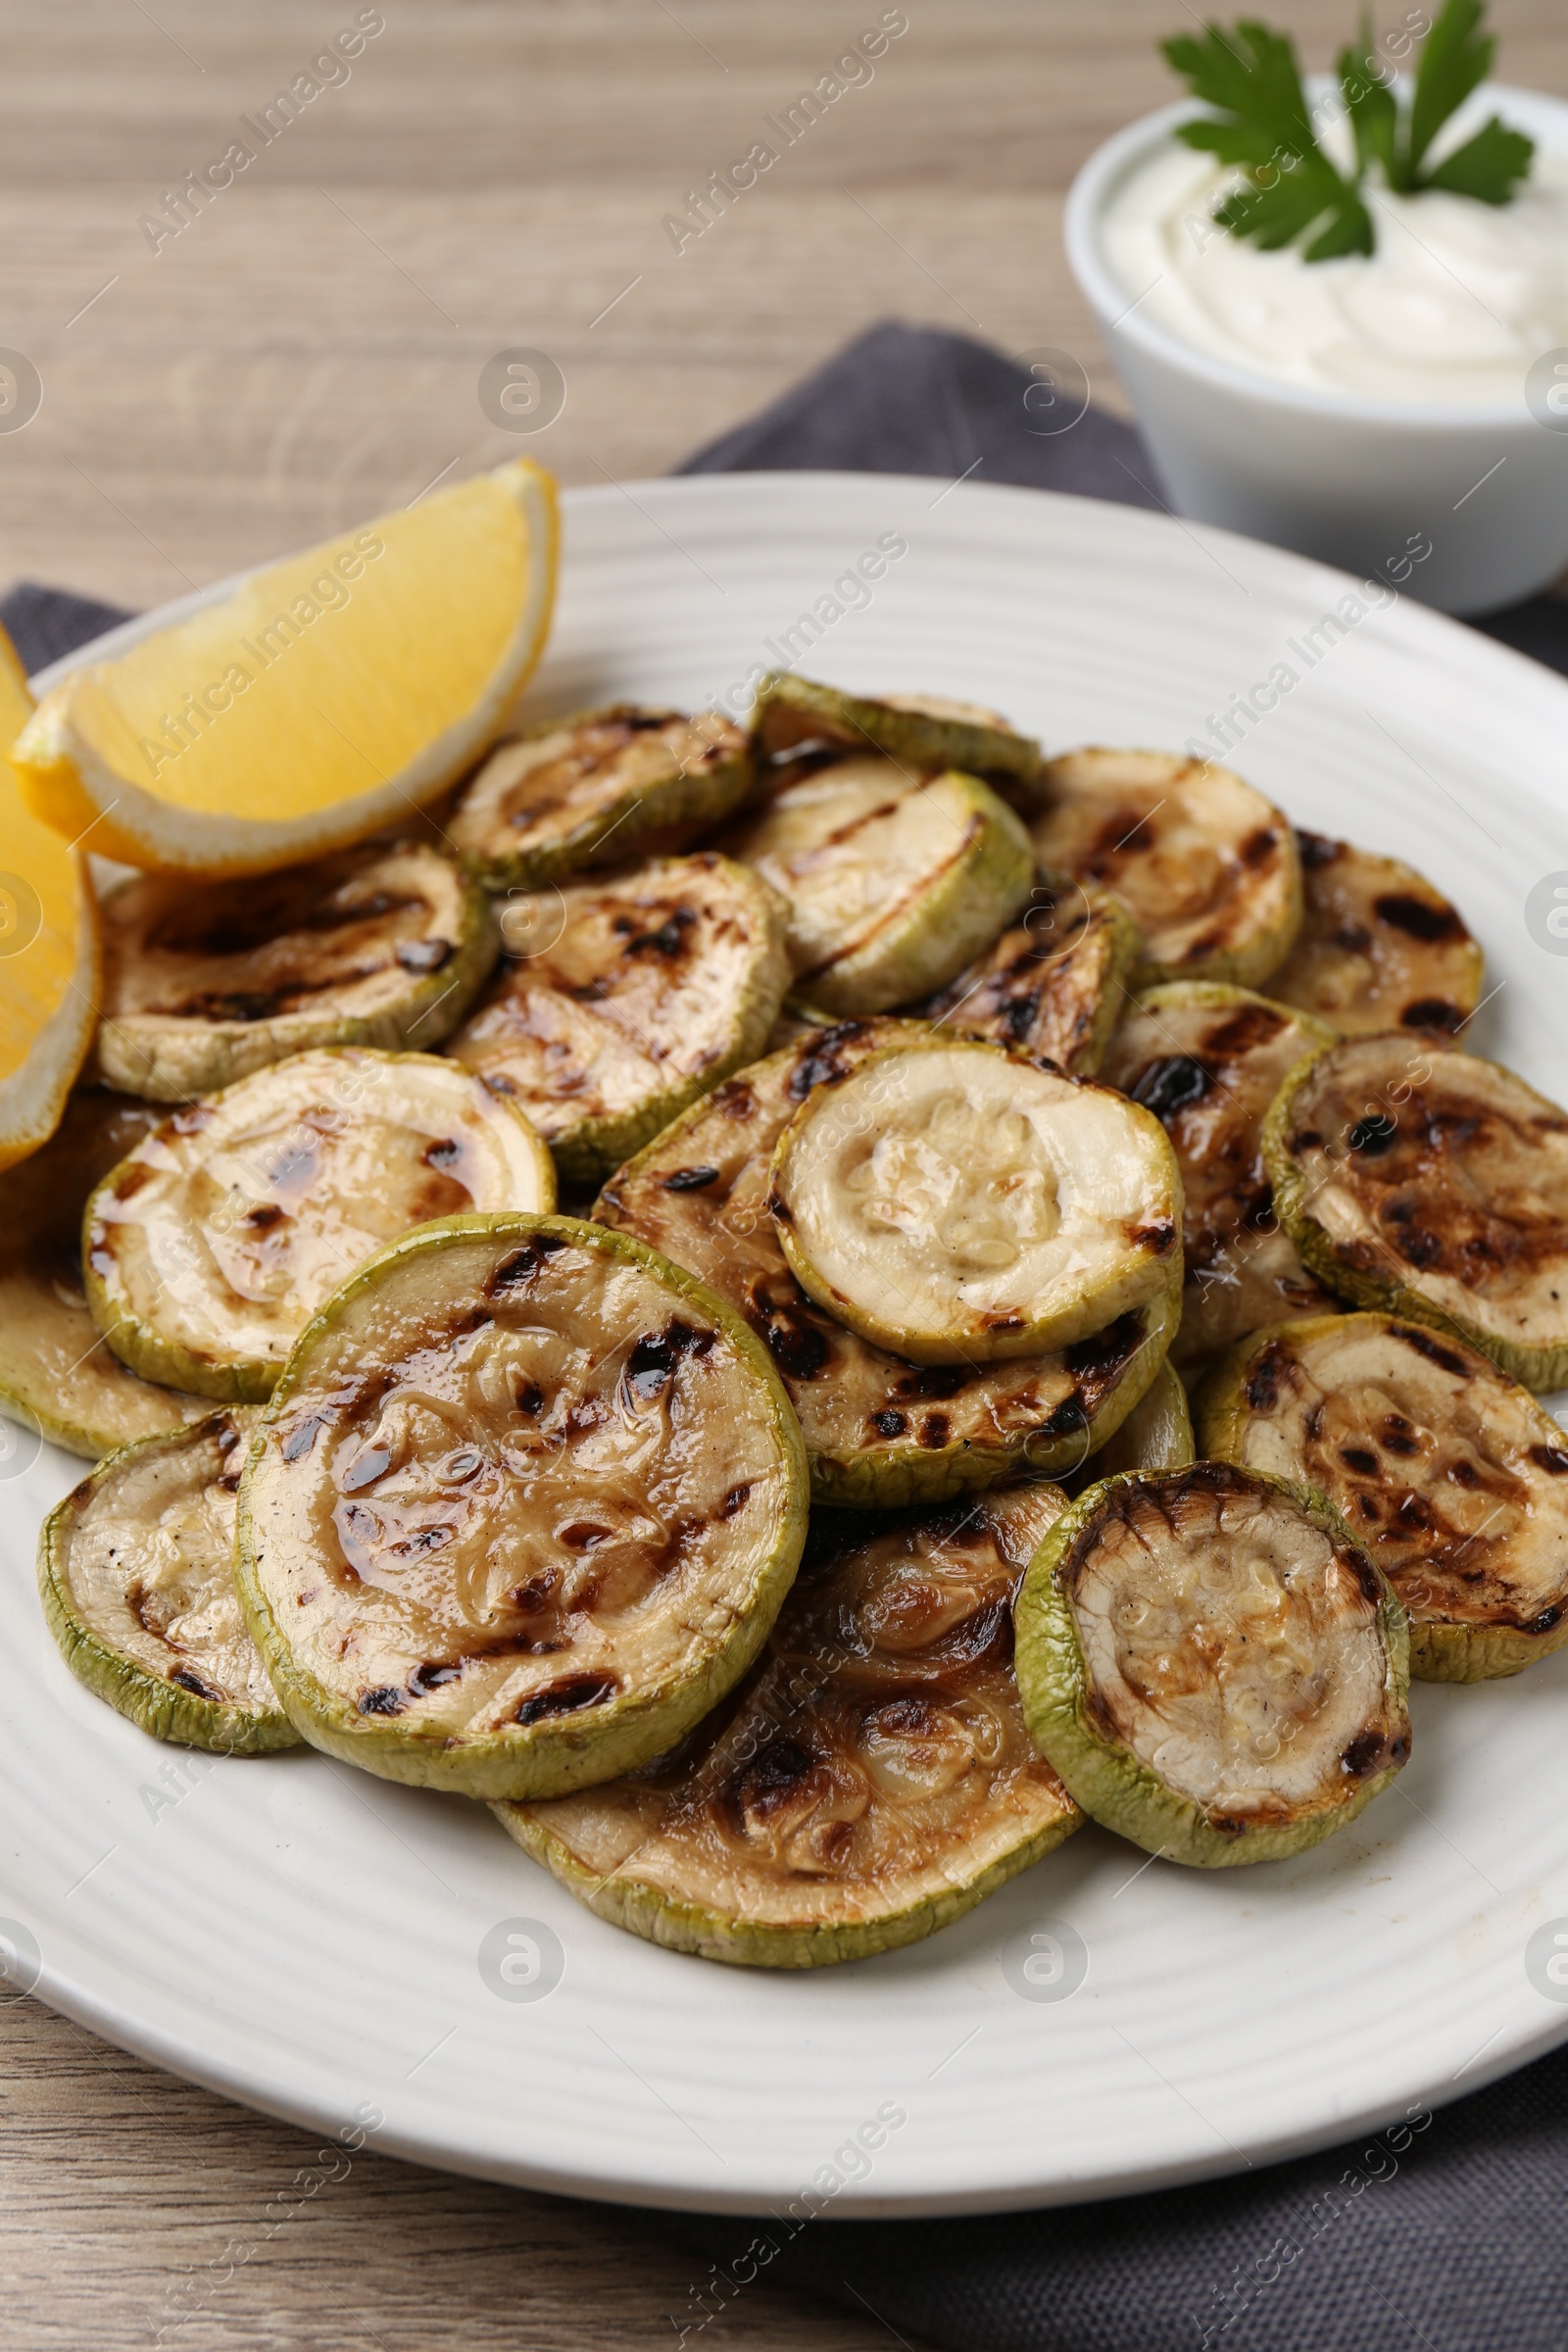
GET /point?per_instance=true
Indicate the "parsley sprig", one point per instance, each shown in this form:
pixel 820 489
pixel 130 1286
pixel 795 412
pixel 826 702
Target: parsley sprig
pixel 1291 188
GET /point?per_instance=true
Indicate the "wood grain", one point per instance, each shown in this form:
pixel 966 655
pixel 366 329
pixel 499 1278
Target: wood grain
pixel 494 174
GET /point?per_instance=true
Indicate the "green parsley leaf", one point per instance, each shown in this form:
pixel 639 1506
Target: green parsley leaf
pixel 1263 126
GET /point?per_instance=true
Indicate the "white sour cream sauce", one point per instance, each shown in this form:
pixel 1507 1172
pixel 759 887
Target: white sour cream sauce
pixel 1455 307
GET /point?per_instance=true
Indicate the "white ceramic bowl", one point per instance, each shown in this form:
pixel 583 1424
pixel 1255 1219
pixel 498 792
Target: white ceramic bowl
pixel 1352 480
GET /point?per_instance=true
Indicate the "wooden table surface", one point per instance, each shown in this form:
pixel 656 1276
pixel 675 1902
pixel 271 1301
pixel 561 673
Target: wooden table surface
pixel 493 173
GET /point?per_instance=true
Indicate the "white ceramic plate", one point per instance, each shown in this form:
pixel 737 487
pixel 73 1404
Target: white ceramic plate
pixel 315 1941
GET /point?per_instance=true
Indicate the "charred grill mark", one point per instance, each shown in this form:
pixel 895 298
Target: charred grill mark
pixel 522 1265
pixel 688 1180
pixel 735 1101
pixel 1317 851
pixel 1435 1353
pixel 735 1500
pixel 798 1348
pixel 1360 1460
pixel 668 940
pixel 193 1683
pixel 302 1437
pixel 1243 1032
pixel 1103 1354
pixel 821 1062
pixel 933 1432
pixel 385 1700
pixel 529 1399
pixel 443 1154
pixel 1434 1012
pixel 941 1381
pixel 262 1217
pixel 1553 1459
pixel 1260 847
pixel 1273 1371
pixel 1420 918
pixel 1399 1438
pixel 771 1780
pixel 1065 1421
pixel 1158 1240
pixel 1364 1756
pixel 1373 1134
pixel 1170 1085
pixel 652 1363
pixel 433 1675
pixel 1353 938
pixel 568 1697
pixel 888 1423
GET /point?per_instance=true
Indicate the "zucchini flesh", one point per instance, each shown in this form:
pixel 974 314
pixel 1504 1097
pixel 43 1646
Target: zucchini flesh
pixel 1450 1475
pixel 523 1508
pixel 1433 1185
pixel 650 987
pixel 1379 947
pixel 135 1568
pixel 1053 985
pixel 211 1245
pixel 56 1373
pixel 877 1428
pixel 599 785
pixel 1207 865
pixel 871 1780
pixel 1207 1060
pixel 204 982
pixel 958 1204
pixel 1212 1666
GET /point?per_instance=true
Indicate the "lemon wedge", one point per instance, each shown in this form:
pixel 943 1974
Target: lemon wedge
pixel 317 702
pixel 48 950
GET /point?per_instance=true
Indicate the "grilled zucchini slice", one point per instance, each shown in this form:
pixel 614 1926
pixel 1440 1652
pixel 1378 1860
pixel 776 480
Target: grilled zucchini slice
pixel 877 1429
pixel 871 1781
pixel 1207 865
pixel 922 732
pixel 955 1204
pixel 56 1374
pixel 204 982
pixel 1207 1060
pixel 1435 1185
pixel 893 880
pixel 208 1248
pixel 1212 1666
pixel 615 783
pixel 1053 985
pixel 136 1571
pixel 1379 947
pixel 1451 1476
pixel 523 1508
pixel 658 984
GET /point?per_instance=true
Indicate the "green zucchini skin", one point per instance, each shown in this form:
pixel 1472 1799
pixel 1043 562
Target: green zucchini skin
pixel 1390 1070
pixel 555 1753
pixel 1106 1779
pixel 154 1703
